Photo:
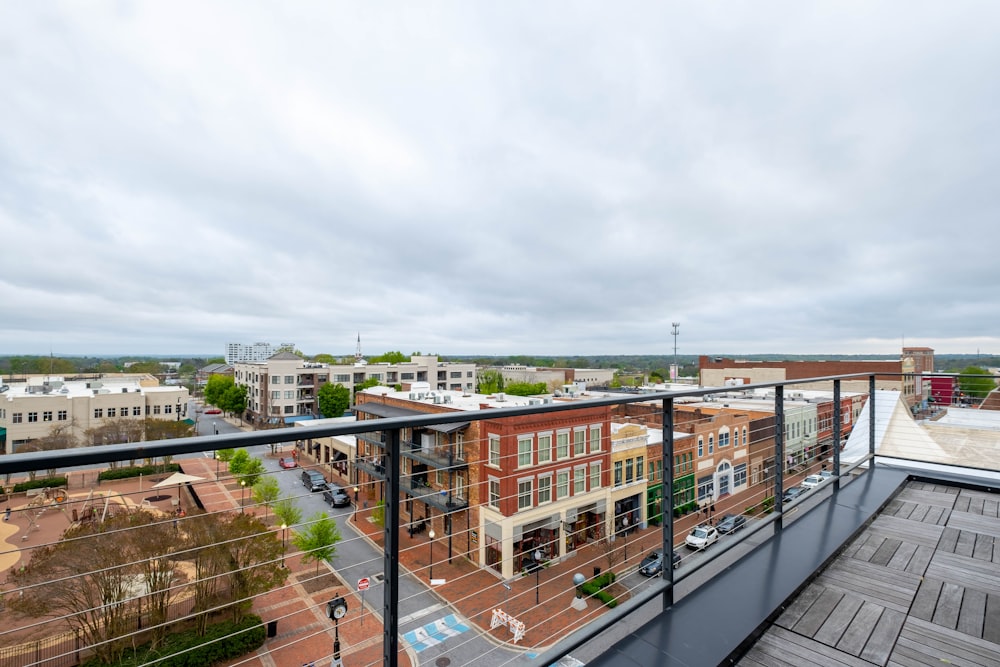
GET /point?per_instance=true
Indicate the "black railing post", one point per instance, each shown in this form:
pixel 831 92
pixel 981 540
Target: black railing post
pixel 779 452
pixel 667 502
pixel 837 435
pixel 390 599
pixel 871 416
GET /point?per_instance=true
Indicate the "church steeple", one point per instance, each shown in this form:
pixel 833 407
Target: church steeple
pixel 357 353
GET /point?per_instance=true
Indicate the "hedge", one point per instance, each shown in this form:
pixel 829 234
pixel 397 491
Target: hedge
pixel 607 598
pixel 250 638
pixel 135 471
pixel 21 487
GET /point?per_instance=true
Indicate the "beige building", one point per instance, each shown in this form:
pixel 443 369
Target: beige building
pixel 555 378
pixel 284 388
pixel 31 406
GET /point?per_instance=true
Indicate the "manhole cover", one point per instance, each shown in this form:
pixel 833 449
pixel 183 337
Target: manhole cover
pixel 379 577
pixel 442 662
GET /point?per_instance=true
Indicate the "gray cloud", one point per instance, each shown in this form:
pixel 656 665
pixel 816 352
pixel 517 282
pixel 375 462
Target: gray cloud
pixel 516 178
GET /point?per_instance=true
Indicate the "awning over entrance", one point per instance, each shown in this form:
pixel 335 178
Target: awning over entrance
pixel 386 411
pixel 448 428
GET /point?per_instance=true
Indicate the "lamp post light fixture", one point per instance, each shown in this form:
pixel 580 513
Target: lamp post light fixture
pixel 578 580
pixel 355 504
pixel 336 609
pixel 243 493
pixel 284 528
pixel 538 568
pixel 431 535
pixel 625 534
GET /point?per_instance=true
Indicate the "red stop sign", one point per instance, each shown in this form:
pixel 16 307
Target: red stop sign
pixel 363 583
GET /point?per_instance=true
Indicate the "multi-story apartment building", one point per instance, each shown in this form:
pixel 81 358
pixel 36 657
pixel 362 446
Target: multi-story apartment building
pixel 255 352
pixel 32 406
pixel 284 388
pixel 555 378
pixel 499 489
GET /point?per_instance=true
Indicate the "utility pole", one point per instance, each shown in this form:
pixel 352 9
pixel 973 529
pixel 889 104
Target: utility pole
pixel 675 332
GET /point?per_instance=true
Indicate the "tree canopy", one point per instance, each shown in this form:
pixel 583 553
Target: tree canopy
pixel 333 399
pixel 526 388
pixel 979 384
pixel 489 381
pixel 391 357
pixel 318 540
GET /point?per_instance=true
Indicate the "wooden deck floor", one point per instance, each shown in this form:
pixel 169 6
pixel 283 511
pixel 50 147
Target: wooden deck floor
pixel 921 586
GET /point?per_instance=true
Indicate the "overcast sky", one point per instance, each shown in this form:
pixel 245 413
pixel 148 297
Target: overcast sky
pixel 499 178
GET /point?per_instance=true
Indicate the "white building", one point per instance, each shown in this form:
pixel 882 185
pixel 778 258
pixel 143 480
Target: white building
pixel 30 408
pixel 256 352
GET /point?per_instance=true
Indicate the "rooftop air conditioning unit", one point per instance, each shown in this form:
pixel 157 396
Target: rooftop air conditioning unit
pixel 413 396
pixel 534 401
pixel 447 399
pixel 437 400
pixel 501 397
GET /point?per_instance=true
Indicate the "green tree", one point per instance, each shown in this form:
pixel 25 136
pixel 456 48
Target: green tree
pixel 318 540
pixel 334 399
pixel 489 381
pixel 288 512
pixel 325 359
pixel 526 388
pixel 216 388
pixel 392 357
pixel 151 367
pixel 266 492
pixel 238 462
pixel 233 400
pixel 980 383
pixel 253 555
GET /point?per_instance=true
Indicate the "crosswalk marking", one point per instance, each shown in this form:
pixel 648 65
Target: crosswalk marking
pixel 435 632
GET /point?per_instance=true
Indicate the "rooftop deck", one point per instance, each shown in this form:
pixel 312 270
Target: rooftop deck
pixel 918 583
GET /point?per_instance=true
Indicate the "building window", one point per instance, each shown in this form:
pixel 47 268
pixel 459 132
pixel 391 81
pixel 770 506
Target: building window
pixel 595 475
pixel 289 379
pixel 579 481
pixel 562 484
pixel 740 475
pixel 98 414
pixel 701 447
pixel 343 377
pixel 524 494
pixel 579 442
pixel 562 445
pixel 711 444
pixel 460 486
pixel 723 439
pixel 167 409
pixel 618 473
pixel 18 417
pixel 455 374
pixel 468 374
pixel 545 448
pixel 275 395
pixel 744 435
pixel 595 439
pixel 289 409
pixel 494 493
pixel 47 415
pixel 136 410
pixel 524 451
pixel 495 451
pixel 404 376
pixel 440 477
pixel 706 487
pixel 290 395
pixel 640 466
pixel 459 446
pixel 62 416
pixel 156 409
pixel 275 379
pixel 544 489
pixel 628 471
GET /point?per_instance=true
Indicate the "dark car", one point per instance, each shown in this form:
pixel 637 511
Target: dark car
pixel 730 523
pixel 336 496
pixel 791 494
pixel 314 480
pixel 652 564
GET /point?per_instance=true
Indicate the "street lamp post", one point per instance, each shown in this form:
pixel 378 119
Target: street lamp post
pixel 431 535
pixel 355 504
pixel 243 494
pixel 625 534
pixel 538 569
pixel 336 609
pixel 284 528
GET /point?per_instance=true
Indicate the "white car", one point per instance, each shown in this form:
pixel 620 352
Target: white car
pixel 702 537
pixel 812 481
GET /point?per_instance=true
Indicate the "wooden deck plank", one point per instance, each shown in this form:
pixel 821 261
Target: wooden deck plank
pixel 949 538
pixel 836 623
pixel 966 543
pixel 919 513
pixel 948 605
pixel 938 516
pixel 799 606
pixel 810 651
pixel 975 523
pixel 884 554
pixel 922 497
pixel 973 613
pixel 884 636
pixel 991 620
pixel 902 557
pixel 818 612
pixel 958 647
pixel 921 559
pixel 926 599
pixel 907 531
pixel 868 549
pixel 968 572
pixel 860 629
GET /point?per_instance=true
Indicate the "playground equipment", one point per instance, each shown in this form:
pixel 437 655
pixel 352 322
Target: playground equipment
pixel 42 500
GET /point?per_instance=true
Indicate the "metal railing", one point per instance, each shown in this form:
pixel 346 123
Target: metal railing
pixel 389 468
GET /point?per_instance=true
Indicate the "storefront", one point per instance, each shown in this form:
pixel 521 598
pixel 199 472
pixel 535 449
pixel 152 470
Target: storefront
pixel 628 514
pixel 541 535
pixel 584 524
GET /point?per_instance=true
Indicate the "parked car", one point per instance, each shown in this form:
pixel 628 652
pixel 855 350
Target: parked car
pixel 702 537
pixel 287 463
pixel 213 411
pixel 652 564
pixel 812 481
pixel 825 474
pixel 791 494
pixel 336 496
pixel 314 480
pixel 730 523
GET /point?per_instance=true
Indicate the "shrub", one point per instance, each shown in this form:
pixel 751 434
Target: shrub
pixel 767 504
pixel 607 598
pixel 21 487
pixel 247 636
pixel 135 471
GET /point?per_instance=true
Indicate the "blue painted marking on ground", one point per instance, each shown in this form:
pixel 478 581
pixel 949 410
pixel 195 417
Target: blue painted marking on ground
pixel 434 633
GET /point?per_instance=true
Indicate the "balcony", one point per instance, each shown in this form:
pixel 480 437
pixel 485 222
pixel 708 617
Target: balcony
pixel 919 539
